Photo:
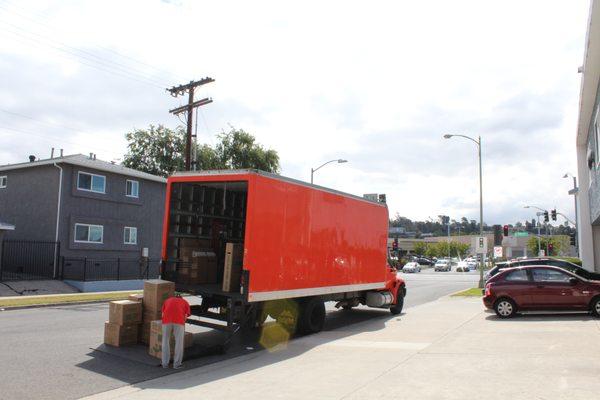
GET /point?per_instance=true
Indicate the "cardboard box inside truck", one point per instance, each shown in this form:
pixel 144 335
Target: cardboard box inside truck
pixel 156 291
pixel 120 335
pixel 232 272
pixel 125 312
pixel 155 341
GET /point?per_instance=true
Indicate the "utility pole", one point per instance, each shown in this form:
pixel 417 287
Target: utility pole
pixel 180 90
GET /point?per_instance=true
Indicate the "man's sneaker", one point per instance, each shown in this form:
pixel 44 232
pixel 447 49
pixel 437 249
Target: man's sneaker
pixel 165 366
pixel 177 367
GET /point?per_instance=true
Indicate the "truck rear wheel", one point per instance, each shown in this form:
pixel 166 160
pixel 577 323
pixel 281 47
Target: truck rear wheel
pixel 312 316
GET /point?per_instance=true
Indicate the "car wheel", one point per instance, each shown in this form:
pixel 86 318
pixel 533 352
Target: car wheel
pixel 505 308
pixel 595 307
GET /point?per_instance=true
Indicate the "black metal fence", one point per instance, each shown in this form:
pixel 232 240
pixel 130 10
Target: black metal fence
pixel 29 260
pixel 108 269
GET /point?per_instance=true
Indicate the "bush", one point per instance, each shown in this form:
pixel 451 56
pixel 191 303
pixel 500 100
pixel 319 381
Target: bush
pixel 573 260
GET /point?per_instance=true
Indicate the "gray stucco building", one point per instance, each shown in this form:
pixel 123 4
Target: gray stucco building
pixel 588 146
pixel 95 209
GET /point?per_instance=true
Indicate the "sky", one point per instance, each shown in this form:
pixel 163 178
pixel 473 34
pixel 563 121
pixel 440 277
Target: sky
pixel 376 83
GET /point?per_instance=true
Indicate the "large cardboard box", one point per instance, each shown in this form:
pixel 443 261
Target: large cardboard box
pixel 151 315
pixel 144 332
pixel 125 312
pixel 156 291
pixel 155 342
pixel 136 297
pixel 234 255
pixel 120 335
pixel 188 246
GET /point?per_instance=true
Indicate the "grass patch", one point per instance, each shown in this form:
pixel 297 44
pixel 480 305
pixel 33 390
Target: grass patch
pixel 65 299
pixel 473 292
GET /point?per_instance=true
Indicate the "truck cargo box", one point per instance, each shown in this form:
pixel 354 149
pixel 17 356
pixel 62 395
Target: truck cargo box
pixel 298 239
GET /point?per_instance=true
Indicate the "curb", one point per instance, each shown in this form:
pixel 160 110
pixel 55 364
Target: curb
pixel 64 303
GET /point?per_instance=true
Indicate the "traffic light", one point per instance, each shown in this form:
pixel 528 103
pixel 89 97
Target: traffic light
pixel 505 230
pixel 550 248
pixel 395 244
pixel 553 214
pixel 572 238
pixel 546 219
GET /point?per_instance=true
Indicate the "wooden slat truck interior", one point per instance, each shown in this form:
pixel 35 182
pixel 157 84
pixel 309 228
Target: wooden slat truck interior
pixel 253 245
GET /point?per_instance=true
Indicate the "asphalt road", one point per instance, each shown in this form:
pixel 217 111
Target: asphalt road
pixel 47 353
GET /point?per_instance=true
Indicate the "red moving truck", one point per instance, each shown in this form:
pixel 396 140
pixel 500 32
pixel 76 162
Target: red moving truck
pixel 300 245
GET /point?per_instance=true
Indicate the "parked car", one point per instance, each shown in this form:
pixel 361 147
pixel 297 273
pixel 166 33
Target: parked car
pixel 540 288
pixel 442 265
pixel 462 266
pixel 423 261
pixel 472 265
pixel 411 267
pixel 555 262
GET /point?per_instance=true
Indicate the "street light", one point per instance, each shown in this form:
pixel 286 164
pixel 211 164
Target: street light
pixel 478 143
pixel 313 170
pixel 574 192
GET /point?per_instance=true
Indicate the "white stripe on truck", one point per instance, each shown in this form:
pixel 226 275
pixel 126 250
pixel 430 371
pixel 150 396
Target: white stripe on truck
pixel 286 294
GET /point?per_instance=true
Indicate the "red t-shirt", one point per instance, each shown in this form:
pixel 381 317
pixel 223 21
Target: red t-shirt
pixel 175 310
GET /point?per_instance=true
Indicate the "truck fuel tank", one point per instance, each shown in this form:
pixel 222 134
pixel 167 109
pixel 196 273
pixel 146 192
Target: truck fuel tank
pixel 379 299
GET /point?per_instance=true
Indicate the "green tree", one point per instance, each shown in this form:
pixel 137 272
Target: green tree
pixel 420 248
pixel 557 242
pixel 156 150
pixel 238 149
pixel 160 151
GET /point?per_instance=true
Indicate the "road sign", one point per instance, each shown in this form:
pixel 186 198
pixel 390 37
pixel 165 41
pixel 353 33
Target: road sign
pixel 497 251
pixel 521 234
pixel 480 245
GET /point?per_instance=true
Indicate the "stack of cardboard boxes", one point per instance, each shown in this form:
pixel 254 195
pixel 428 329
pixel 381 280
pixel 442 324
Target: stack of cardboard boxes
pixel 155 346
pixel 199 262
pixel 129 320
pixel 156 291
pixel 124 317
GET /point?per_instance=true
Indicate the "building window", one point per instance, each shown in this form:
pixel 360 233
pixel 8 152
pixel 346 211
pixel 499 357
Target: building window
pixel 85 233
pixel 132 188
pixel 91 182
pixel 3 181
pixel 130 235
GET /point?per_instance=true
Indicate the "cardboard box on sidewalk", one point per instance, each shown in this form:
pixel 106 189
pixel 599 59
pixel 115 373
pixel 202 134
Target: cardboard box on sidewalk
pixel 155 342
pixel 120 335
pixel 144 332
pixel 136 297
pixel 156 291
pixel 151 315
pixel 234 256
pixel 125 312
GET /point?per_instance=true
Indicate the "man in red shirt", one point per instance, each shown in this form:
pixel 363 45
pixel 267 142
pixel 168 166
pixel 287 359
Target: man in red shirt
pixel 175 311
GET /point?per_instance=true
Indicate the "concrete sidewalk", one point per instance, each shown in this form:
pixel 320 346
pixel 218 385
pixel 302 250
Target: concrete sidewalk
pixel 447 349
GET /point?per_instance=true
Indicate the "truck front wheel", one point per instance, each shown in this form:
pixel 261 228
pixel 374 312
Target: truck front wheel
pixel 396 309
pixel 312 315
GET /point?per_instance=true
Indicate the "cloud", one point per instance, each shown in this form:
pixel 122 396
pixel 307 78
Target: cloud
pixel 377 84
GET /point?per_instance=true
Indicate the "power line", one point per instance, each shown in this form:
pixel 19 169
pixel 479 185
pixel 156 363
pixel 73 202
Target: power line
pixel 53 124
pixel 48 137
pixel 103 65
pixel 53 28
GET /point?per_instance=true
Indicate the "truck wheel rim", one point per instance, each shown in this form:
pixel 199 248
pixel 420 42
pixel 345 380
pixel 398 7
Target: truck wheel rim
pixel 505 308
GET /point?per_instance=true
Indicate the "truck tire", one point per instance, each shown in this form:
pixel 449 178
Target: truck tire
pixel 312 316
pixel 396 309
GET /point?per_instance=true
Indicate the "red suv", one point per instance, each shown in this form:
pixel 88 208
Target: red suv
pixel 540 288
